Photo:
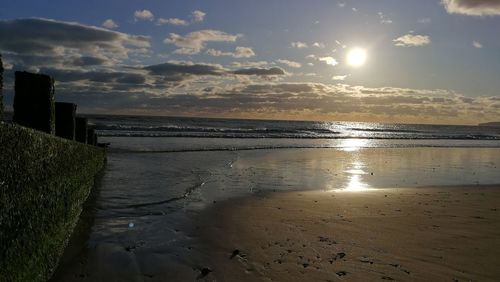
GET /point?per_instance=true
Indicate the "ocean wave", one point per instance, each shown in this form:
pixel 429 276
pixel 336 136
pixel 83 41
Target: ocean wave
pixel 292 135
pixel 385 130
pixel 129 126
pixel 186 129
pixel 255 148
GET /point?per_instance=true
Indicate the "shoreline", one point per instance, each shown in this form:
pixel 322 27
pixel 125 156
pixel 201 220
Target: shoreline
pixel 407 234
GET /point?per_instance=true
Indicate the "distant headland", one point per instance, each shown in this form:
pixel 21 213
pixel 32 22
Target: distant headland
pixel 492 124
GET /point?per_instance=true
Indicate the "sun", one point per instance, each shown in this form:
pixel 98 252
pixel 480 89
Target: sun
pixel 356 57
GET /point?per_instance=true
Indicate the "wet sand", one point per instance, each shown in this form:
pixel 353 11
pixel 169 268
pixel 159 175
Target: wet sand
pixel 409 234
pixel 414 234
pixel 233 216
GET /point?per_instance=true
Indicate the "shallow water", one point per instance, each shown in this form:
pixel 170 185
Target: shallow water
pixel 146 198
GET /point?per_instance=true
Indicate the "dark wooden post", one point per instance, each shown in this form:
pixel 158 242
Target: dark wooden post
pixel 90 135
pixel 1 88
pixel 65 120
pixel 81 129
pixel 34 101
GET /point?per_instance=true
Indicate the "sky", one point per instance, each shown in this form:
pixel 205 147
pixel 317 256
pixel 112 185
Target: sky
pixel 426 61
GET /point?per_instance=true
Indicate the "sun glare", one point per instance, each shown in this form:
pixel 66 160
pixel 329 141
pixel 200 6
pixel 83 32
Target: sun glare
pixel 356 57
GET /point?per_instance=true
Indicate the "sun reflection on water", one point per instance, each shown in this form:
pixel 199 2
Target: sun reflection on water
pixel 355 182
pixel 351 145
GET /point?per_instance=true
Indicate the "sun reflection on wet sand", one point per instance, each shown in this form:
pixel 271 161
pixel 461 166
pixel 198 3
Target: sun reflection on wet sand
pixel 352 145
pixel 355 182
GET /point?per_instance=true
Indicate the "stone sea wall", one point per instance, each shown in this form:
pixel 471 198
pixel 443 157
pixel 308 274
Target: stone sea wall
pixel 44 180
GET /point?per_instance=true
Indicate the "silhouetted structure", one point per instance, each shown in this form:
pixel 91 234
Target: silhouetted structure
pixel 91 135
pixel 65 120
pixel 81 129
pixel 1 88
pixel 34 101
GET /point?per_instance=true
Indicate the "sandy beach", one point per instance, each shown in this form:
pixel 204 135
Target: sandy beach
pixel 407 234
pixel 415 234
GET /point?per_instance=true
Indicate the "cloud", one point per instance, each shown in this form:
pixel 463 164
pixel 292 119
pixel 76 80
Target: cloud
pixel 472 7
pixel 250 64
pixel 291 64
pixel 340 77
pixel 243 52
pixel 176 70
pixel 477 44
pixel 329 60
pixel 384 19
pixel 340 44
pixel 151 79
pixel 44 42
pixel 108 77
pixel 412 40
pixel 109 24
pixel 179 71
pixel 319 45
pixel 299 45
pixel 144 15
pixel 314 101
pixel 171 21
pixel 424 20
pixel 239 52
pixel 198 16
pixel 304 45
pixel 260 71
pixel 84 61
pixel 195 41
pixel 156 89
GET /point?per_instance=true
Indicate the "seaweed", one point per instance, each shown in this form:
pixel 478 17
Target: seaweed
pixel 44 180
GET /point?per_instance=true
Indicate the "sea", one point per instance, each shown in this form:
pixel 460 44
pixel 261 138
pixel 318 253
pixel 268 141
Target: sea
pixel 157 134
pixel 151 126
pixel 162 171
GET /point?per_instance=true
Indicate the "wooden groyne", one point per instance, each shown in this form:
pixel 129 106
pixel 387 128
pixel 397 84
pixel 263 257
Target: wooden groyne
pixel 45 177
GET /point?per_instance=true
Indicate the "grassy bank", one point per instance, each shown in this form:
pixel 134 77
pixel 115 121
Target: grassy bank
pixel 44 180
